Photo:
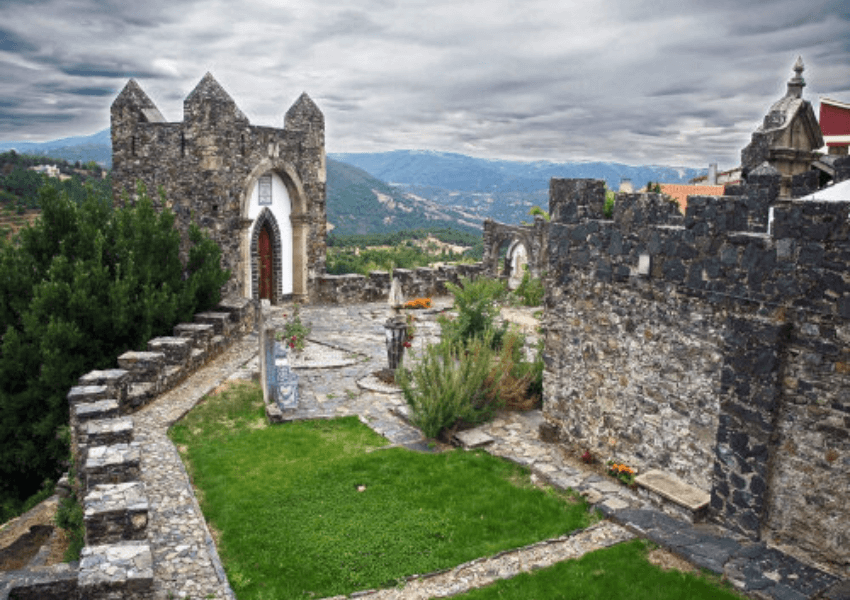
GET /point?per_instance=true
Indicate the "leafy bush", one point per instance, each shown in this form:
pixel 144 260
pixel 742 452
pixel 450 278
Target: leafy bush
pixel 82 285
pixel 530 290
pixel 608 208
pixel 450 385
pixel 476 305
pixel 294 332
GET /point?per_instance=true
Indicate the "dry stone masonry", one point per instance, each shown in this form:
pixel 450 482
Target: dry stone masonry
pixel 713 348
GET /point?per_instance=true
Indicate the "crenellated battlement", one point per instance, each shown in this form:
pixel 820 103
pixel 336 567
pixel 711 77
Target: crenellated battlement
pixel 711 345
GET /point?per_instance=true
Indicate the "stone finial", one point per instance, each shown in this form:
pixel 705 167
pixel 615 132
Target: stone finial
pixel 797 83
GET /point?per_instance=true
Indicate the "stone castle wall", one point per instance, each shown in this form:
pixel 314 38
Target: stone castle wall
pixel 208 164
pixel 710 348
pixel 116 561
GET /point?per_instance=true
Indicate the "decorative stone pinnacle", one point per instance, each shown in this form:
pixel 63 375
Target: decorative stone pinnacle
pixel 797 83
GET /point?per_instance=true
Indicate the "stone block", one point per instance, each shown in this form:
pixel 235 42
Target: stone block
pixel 145 366
pixel 118 463
pixel 105 432
pixel 219 320
pixel 57 582
pixel 116 571
pixel 102 409
pixel 666 488
pixel 175 349
pixel 116 381
pixel 199 333
pixel 138 395
pixel 243 311
pixel 115 513
pixel 87 393
pixel 472 438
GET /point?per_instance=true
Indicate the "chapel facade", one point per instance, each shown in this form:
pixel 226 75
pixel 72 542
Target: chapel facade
pixel 259 192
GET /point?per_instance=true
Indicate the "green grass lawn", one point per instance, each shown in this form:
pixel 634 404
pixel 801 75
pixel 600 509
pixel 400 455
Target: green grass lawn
pixel 309 510
pixel 621 571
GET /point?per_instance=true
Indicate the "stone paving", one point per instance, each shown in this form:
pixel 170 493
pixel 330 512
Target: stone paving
pixel 336 379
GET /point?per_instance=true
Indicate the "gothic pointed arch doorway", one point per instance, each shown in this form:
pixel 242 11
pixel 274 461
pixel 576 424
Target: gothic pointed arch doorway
pixel 265 251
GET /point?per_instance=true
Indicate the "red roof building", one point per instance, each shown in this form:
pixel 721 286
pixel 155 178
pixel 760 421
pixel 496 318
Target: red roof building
pixel 835 125
pixel 680 192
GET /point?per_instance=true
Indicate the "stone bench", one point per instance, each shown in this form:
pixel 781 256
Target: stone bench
pixel 115 512
pixel 673 496
pixel 118 463
pixel 115 380
pixel 116 571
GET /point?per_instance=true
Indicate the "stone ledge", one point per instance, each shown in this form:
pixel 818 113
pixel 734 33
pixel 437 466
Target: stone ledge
pixel 175 348
pixel 115 380
pixel 87 393
pixel 116 571
pixel 118 463
pixel 663 488
pixel 57 582
pixel 105 432
pixel 142 363
pixel 102 409
pixel 116 512
pixel 219 320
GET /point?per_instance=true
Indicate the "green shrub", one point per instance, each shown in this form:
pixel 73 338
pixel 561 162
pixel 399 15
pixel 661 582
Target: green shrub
pixel 70 518
pixel 450 385
pixel 608 208
pixel 530 290
pixel 477 306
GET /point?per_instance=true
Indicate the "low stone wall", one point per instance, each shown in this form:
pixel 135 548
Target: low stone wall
pixel 116 561
pixel 422 282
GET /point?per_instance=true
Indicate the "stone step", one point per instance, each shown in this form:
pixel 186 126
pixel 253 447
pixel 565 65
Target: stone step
pixel 175 348
pixel 102 409
pixel 105 432
pixel 219 320
pixel 118 463
pixel 115 513
pixel 172 375
pixel 113 571
pixel 673 496
pixel 56 582
pixel 243 311
pixel 87 393
pixel 115 380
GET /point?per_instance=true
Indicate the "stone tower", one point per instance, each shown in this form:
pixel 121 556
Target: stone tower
pixel 259 191
pixel 788 137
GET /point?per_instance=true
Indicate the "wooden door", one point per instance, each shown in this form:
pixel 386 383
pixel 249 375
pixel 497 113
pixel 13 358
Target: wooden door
pixel 266 264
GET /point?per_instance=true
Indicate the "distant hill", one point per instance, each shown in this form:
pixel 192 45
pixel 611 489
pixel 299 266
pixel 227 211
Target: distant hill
pixel 403 189
pixel 462 173
pixel 96 147
pixel 361 204
pixel 497 189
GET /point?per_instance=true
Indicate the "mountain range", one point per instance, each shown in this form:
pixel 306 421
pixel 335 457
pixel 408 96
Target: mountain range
pixel 404 189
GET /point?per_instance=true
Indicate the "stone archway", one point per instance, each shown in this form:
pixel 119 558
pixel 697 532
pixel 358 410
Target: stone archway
pixel 298 224
pixel 516 263
pixel 266 225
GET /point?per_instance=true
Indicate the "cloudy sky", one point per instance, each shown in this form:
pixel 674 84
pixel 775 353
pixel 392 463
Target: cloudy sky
pixel 677 82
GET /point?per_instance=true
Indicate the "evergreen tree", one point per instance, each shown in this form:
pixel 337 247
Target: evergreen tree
pixel 83 285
